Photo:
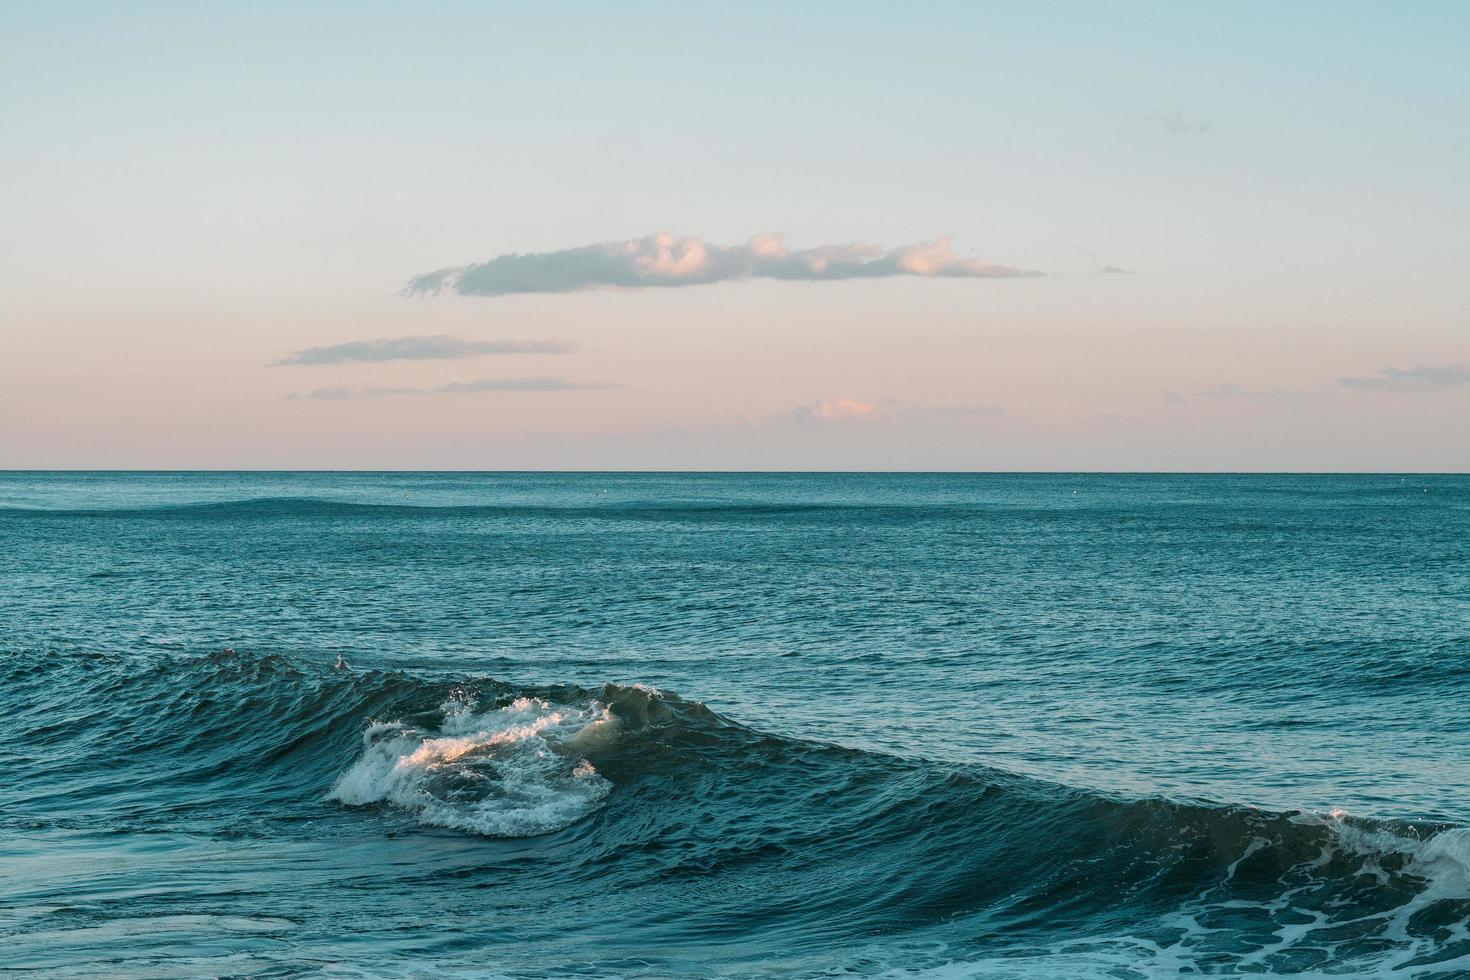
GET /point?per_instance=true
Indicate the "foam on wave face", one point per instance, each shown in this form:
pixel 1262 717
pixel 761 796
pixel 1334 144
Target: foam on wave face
pixel 511 771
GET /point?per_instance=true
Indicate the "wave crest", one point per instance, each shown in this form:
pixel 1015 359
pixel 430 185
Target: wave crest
pixel 511 771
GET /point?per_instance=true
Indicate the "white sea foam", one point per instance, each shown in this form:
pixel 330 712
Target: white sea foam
pixel 514 771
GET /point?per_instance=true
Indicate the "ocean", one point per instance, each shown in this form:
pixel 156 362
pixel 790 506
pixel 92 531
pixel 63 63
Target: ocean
pixel 734 725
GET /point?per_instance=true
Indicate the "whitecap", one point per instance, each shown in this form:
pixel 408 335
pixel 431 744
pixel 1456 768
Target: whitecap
pixel 511 771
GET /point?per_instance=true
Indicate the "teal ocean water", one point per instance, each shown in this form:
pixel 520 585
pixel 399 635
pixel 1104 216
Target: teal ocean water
pixel 616 725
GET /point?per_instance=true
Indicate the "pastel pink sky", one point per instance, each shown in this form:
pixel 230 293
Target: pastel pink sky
pixel 487 242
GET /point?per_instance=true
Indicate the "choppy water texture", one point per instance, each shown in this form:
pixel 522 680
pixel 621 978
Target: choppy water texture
pixel 648 725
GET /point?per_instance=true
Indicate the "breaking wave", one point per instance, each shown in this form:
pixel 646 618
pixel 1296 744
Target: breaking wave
pixel 510 771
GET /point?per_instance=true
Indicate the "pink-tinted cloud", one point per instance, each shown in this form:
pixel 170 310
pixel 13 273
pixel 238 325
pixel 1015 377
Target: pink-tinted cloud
pixel 834 410
pixel 841 411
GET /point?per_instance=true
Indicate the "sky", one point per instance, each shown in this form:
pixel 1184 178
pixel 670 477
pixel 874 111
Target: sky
pixel 948 236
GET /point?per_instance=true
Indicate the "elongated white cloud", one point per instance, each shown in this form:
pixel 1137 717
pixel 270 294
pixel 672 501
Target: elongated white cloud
pixel 1406 381
pixel 336 392
pixel 440 347
pixel 662 260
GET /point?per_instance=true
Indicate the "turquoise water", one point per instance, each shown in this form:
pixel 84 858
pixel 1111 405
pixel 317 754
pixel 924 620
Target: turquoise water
pixel 738 725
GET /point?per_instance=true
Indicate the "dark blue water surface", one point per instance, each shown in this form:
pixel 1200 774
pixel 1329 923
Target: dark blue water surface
pixel 603 725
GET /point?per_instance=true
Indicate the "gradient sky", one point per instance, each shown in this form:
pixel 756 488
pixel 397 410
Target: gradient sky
pixel 212 214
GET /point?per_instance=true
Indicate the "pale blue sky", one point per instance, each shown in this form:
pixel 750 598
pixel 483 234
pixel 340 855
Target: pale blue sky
pixel 194 191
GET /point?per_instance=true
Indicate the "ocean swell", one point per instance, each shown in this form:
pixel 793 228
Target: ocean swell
pixel 710 829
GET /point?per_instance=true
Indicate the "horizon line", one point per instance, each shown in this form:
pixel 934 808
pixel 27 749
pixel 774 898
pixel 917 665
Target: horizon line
pixel 739 472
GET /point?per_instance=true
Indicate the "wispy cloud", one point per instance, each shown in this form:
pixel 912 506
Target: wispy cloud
pixel 663 260
pixel 522 384
pixel 440 347
pixel 1174 122
pixel 334 392
pixel 1406 381
pixel 1232 390
pixel 1100 267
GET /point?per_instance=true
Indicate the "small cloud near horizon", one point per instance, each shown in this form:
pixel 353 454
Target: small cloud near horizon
pixel 336 392
pixel 1408 381
pixel 839 411
pixel 439 347
pixel 663 260
pixel 833 410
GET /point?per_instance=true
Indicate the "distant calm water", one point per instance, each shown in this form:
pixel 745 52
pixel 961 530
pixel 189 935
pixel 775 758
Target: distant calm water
pixel 734 725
